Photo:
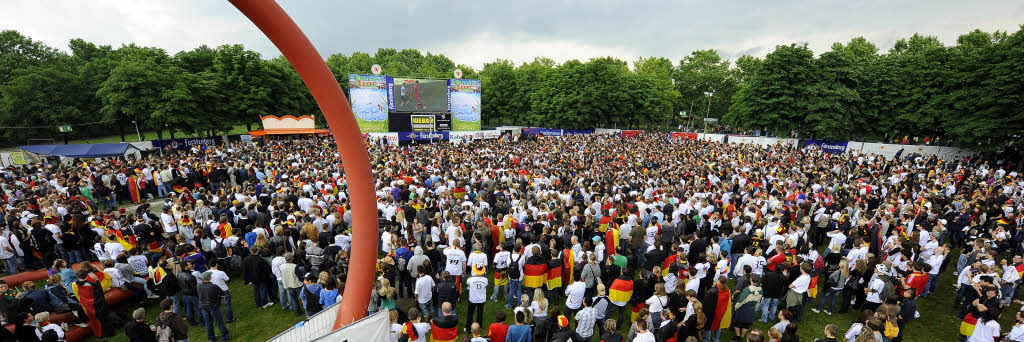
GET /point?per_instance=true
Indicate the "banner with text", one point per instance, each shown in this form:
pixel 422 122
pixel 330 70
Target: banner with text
pixel 684 136
pixel 369 98
pixel 828 146
pixel 431 136
pixel 464 104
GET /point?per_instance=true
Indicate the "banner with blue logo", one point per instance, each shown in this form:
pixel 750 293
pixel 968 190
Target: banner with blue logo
pixel 553 132
pixel 828 146
pixel 407 136
pixel 577 132
pixel 182 144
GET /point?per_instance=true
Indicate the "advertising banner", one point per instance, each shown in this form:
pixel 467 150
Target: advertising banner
pixel 369 98
pixel 419 95
pixel 828 146
pixel 182 144
pixel 423 123
pixel 684 136
pixel 551 132
pixel 630 133
pixel 569 132
pixel 390 137
pixel 464 104
pixel 406 136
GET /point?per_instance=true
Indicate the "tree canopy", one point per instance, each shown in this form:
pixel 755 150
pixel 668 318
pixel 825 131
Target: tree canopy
pixel 968 93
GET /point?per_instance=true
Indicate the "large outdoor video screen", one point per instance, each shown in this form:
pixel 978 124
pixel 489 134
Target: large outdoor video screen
pixel 369 97
pixel 420 95
pixel 465 104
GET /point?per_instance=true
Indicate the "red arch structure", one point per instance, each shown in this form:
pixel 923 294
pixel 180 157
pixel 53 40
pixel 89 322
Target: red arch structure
pixel 270 18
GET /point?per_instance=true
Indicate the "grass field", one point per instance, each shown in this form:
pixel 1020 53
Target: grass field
pixel 937 321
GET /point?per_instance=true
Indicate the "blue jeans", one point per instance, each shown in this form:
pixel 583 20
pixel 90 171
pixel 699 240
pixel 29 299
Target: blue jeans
pixel 712 336
pixel 933 282
pixel 282 295
pixel 426 308
pixel 830 295
pixel 767 308
pixel 211 315
pixel 74 256
pixel 259 290
pixel 191 308
pixel 177 302
pixel 497 288
pixel 293 300
pixel 515 290
pixel 229 311
pixel 163 190
pixel 11 265
pixel 961 263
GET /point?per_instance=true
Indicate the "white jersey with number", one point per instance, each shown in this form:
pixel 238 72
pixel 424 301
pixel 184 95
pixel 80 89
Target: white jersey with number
pixel 477 289
pixel 456 258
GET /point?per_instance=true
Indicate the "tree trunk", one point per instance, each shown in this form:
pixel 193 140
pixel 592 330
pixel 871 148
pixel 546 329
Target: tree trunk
pixel 172 132
pixel 248 126
pixel 160 134
pixel 65 138
pixel 120 129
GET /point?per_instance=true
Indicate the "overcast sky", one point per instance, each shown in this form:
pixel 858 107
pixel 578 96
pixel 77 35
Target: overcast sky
pixel 476 32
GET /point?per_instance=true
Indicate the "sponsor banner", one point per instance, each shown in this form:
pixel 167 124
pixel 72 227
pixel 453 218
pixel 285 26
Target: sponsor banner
pixel 711 137
pixel 607 131
pixel 368 95
pixel 182 144
pixel 543 131
pixel 464 104
pixel 391 137
pixel 585 131
pixel 684 136
pixel 407 136
pixel 828 146
pixel 422 123
pixel 629 133
pixel 492 134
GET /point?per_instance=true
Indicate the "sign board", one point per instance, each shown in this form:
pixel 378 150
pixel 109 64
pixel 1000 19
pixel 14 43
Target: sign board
pixel 682 113
pixel 710 119
pixel 376 69
pixel 458 73
pixel 63 129
pixel 423 123
pixel 18 158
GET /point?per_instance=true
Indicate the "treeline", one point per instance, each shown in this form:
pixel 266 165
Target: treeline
pixel 969 93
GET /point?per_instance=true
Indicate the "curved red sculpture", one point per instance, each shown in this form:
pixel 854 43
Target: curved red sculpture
pixel 286 35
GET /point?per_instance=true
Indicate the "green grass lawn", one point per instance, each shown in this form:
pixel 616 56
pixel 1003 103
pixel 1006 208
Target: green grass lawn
pixel 937 321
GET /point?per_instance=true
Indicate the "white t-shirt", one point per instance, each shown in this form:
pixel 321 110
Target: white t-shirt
pixel 656 303
pixel 876 286
pixel 477 289
pixel 424 288
pixel 502 259
pixel 421 331
pixel 801 284
pixel 650 234
pixel 456 260
pixel 396 329
pixel 986 332
pixel 1016 333
pixel 574 294
pixel 646 336
pixel 477 258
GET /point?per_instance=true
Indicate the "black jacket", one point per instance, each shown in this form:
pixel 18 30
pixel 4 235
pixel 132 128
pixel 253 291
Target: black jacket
pixel 139 332
pixel 255 269
pixel 209 296
pixel 446 293
pixel 774 285
pixel 188 284
pixel 565 334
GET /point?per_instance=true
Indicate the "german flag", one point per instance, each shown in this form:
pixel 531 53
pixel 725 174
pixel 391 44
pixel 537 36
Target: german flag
pixel 1020 270
pixel 635 311
pixel 410 331
pixel 225 230
pixel 459 192
pixel 127 242
pixel 555 273
pixel 621 290
pixel 445 332
pixel 723 309
pixel 158 275
pixel 668 263
pixel 100 277
pixel 604 223
pixel 133 189
pixel 570 265
pixel 812 290
pixel 611 241
pixel 534 275
pixel 967 325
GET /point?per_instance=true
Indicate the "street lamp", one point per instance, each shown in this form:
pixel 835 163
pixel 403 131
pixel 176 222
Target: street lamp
pixel 137 130
pixel 707 114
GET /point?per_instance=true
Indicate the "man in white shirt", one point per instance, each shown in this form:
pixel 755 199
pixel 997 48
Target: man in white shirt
pixel 275 268
pixel 874 289
pixel 502 260
pixel 170 225
pixel 477 257
pixel 219 278
pixel 113 248
pixel 574 294
pixel 424 291
pixel 477 295
pixel 455 262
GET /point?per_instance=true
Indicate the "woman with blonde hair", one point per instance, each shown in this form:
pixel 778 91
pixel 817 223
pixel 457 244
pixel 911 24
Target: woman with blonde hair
pixel 693 326
pixel 834 284
pixel 385 291
pixel 539 306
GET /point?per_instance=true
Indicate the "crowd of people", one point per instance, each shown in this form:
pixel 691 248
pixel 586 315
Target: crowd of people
pixel 579 236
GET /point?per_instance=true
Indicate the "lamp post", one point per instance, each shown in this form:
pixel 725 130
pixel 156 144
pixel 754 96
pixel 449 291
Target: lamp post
pixel 137 129
pixel 707 114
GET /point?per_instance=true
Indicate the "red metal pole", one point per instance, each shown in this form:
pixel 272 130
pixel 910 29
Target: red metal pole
pixel 286 35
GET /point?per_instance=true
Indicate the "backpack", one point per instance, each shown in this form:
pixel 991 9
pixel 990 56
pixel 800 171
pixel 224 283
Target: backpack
pixel 819 263
pixel 219 249
pixel 312 301
pixel 887 289
pixel 513 269
pixel 891 330
pixel 163 332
